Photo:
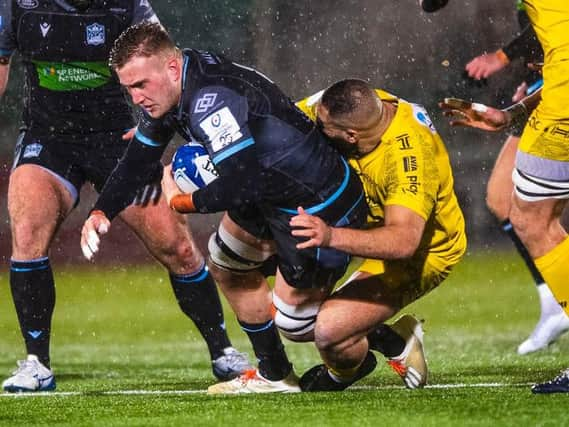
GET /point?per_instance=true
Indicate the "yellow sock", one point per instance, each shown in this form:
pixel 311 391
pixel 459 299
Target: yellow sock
pixel 554 267
pixel 343 375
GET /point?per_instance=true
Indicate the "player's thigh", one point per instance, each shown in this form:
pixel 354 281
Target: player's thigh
pixel 353 311
pixel 166 235
pixel 38 201
pixel 500 186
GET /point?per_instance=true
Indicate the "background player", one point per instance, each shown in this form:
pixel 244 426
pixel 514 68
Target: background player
pixel 74 116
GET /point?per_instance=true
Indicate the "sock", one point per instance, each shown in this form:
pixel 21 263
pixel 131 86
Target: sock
pixel 343 375
pixel 33 292
pixel 386 341
pixel 554 267
pixel 522 250
pixel 269 349
pixel 198 298
pixel 547 301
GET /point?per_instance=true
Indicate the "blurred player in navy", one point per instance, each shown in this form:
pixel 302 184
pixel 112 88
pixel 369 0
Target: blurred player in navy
pixel 75 113
pixel 271 160
pixel 553 321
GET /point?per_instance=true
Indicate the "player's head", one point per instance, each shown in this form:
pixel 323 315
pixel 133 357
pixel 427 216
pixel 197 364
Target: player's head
pixel 350 113
pixel 149 66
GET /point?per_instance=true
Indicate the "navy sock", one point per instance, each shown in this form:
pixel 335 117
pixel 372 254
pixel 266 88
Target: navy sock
pixel 386 341
pixel 269 349
pixel 198 298
pixel 33 292
pixel 522 250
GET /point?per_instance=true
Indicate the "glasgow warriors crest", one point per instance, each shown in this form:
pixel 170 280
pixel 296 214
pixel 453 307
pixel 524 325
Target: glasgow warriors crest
pixel 95 34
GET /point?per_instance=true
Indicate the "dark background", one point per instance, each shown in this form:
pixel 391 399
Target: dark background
pixel 305 46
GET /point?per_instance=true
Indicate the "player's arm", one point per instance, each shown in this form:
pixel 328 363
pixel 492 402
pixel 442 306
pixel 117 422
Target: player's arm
pixel 480 116
pixel 398 238
pixel 232 149
pixel 139 166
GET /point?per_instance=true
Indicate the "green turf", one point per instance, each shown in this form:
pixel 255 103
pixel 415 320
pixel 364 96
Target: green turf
pixel 117 330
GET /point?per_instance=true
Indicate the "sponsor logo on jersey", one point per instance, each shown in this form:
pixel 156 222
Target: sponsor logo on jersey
pixel 32 150
pixel 28 4
pixel 221 128
pixel 412 185
pixel 95 34
pixel 404 143
pixel 44 28
pixel 410 164
pixel 423 117
pixel 205 103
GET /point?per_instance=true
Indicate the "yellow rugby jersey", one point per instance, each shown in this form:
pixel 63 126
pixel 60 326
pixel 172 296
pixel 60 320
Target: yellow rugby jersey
pixel 411 168
pixel 550 19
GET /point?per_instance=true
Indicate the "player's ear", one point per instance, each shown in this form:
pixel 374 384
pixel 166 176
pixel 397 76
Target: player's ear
pixel 352 136
pixel 174 68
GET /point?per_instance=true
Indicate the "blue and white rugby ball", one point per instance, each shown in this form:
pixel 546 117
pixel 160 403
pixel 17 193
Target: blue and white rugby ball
pixel 192 167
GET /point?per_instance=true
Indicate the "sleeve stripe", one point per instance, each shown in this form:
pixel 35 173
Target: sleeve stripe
pixel 232 150
pixel 146 141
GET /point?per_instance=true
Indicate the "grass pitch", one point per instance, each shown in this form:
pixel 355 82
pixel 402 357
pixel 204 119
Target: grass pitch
pixel 123 354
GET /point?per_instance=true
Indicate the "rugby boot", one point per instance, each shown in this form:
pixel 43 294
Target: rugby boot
pixel 30 376
pixel 559 384
pixel 253 382
pixel 411 364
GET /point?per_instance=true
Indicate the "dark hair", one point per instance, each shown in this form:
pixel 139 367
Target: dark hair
pixel 143 39
pixel 346 97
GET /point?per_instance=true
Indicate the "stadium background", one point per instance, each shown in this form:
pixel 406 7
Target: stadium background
pixel 305 46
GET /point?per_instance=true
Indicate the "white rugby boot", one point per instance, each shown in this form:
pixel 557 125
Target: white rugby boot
pixel 30 376
pixel 252 382
pixel 411 364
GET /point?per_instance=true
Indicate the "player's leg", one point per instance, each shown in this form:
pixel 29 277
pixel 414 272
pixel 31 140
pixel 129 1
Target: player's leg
pixel 168 238
pixel 552 321
pixel 237 251
pixel 38 202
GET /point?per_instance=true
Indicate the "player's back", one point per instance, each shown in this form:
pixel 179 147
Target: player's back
pixel 230 106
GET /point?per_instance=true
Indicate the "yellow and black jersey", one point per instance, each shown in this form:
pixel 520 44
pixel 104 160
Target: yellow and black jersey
pixel 411 168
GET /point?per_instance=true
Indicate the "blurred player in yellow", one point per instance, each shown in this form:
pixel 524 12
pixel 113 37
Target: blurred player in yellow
pixel 415 233
pixel 541 174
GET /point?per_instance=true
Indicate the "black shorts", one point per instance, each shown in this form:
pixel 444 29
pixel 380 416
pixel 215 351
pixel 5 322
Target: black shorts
pixel 313 267
pixel 76 159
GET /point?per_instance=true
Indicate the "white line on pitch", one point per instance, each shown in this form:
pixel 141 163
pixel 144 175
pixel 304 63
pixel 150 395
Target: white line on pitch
pixel 186 392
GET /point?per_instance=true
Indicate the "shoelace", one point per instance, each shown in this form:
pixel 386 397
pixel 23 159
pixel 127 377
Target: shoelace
pixel 398 367
pixel 24 366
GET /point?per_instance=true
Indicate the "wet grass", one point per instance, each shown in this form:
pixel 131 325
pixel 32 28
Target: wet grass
pixel 120 329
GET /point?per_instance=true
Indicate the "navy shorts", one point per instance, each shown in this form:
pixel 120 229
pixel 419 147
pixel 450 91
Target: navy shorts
pixel 77 159
pixel 312 267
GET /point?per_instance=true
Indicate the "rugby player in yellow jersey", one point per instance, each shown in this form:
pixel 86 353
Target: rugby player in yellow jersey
pixel 415 233
pixel 541 174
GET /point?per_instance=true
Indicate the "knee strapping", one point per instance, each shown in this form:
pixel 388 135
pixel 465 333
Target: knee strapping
pixel 229 252
pixel 295 321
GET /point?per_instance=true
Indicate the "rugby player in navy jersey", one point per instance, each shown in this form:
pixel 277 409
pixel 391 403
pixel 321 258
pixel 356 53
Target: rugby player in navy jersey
pixel 74 116
pixel 271 160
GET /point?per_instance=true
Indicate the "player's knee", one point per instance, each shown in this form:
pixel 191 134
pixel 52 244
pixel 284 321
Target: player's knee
pixel 29 240
pixel 229 253
pixel 295 322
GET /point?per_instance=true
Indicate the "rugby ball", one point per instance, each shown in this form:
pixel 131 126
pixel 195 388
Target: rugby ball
pixel 192 167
